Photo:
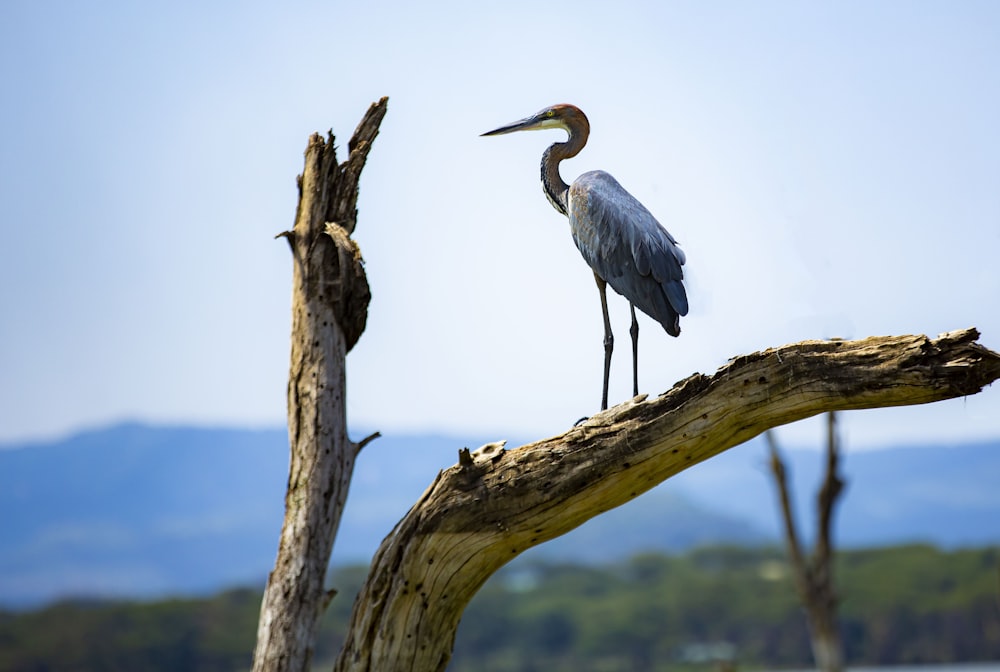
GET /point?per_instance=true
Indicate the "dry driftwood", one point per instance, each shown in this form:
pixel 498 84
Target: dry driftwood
pixel 494 504
pixel 330 298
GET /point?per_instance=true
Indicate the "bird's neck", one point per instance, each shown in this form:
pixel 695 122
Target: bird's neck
pixel 555 189
pixel 552 183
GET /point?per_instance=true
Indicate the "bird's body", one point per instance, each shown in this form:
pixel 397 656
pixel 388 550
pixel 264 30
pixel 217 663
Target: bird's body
pixel 618 237
pixel 625 245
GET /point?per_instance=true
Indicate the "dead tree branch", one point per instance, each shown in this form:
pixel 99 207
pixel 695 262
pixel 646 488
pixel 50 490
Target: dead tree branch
pixel 330 298
pixel 813 575
pixel 478 515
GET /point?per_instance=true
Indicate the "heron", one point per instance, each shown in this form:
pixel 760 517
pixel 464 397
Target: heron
pixel 618 237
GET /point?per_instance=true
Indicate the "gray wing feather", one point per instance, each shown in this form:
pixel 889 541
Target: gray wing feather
pixel 625 245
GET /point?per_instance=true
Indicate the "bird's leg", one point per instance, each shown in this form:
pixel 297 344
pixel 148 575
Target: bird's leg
pixel 609 339
pixel 635 352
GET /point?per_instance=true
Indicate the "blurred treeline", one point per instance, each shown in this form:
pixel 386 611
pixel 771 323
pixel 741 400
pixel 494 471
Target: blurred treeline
pixel 900 605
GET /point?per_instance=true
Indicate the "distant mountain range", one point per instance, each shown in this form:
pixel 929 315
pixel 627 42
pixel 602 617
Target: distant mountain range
pixel 142 511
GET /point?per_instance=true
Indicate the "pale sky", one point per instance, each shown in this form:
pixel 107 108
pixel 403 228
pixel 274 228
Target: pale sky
pixel 830 169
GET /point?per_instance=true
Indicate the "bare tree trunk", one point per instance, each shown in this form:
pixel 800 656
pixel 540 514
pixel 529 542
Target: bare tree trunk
pixel 494 504
pixel 827 647
pixel 329 309
pixel 814 575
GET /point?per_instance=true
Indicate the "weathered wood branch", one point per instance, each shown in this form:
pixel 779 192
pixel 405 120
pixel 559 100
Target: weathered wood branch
pixel 796 555
pixel 479 514
pixel 829 493
pixel 813 574
pixel 330 298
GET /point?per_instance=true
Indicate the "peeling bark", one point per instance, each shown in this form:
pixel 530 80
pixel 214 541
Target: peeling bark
pixel 330 298
pixel 494 504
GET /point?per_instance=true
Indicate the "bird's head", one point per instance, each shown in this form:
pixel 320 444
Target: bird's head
pixel 567 117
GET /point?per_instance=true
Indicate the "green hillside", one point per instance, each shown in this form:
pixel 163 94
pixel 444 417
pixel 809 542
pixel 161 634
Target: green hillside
pixel 908 604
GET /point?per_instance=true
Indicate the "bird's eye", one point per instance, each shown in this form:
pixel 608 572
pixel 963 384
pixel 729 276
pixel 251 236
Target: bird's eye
pixel 550 113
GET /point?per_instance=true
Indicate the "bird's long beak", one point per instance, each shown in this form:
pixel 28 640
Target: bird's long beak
pixel 531 123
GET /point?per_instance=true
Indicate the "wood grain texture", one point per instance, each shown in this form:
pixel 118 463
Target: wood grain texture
pixel 330 298
pixel 494 504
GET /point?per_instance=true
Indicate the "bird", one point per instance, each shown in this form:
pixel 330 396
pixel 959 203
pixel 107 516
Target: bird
pixel 618 237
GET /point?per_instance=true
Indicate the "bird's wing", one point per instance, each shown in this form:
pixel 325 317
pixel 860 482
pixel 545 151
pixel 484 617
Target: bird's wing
pixel 625 245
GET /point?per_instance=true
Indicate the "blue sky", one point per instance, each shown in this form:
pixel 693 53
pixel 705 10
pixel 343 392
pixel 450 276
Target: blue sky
pixel 830 168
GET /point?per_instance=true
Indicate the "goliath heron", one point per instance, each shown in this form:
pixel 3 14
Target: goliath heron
pixel 618 237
